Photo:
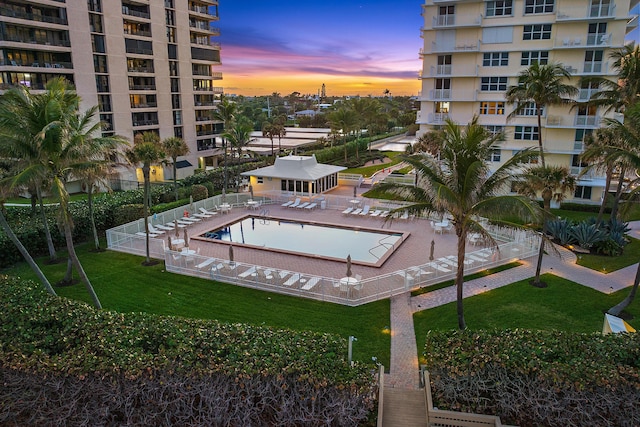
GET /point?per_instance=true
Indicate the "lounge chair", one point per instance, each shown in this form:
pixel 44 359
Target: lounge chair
pixel 384 214
pixel 295 204
pixel 251 271
pixel 207 212
pixel 311 206
pixel 287 204
pixel 183 223
pixel 173 223
pixel 292 280
pixel 303 205
pixel 207 262
pixel 142 233
pixel 347 211
pixel 310 284
pixel 356 212
pixel 376 212
pixel 153 230
pixel 365 210
pixel 164 227
pixel 190 219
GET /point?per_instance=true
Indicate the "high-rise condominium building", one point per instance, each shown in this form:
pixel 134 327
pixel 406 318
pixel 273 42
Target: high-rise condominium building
pixel 148 65
pixel 473 51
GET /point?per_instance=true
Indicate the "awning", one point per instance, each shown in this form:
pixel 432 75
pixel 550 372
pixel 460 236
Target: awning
pixel 183 164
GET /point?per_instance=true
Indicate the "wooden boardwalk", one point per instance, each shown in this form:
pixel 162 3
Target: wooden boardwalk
pixel 404 408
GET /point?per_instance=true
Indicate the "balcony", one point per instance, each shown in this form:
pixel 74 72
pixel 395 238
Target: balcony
pixel 35 40
pixel 145 105
pixel 586 94
pixel 126 10
pixel 439 94
pixel 595 68
pixel 587 121
pixel 599 40
pixel 204 26
pixel 138 123
pixel 459 46
pixel 437 118
pixel 447 70
pixel 35 17
pixel 596 11
pixel 456 20
pixel 142 87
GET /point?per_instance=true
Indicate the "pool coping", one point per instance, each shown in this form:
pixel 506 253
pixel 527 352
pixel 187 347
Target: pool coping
pixel 404 235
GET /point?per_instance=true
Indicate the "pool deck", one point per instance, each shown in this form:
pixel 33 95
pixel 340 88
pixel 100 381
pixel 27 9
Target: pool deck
pixel 413 251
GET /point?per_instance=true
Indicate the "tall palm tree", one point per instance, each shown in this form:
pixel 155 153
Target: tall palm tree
pixel 225 112
pixel 461 184
pixel 268 131
pixel 174 148
pixel 239 135
pixel 552 183
pixel 101 161
pixel 23 251
pixel 345 120
pixel 542 86
pixel 599 149
pixel 147 150
pixel 30 126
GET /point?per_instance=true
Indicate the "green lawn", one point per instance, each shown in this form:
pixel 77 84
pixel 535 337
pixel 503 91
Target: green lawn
pixel 367 171
pixel 563 305
pixel 608 264
pixel 124 285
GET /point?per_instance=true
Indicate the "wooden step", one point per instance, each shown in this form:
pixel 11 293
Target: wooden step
pixel 404 408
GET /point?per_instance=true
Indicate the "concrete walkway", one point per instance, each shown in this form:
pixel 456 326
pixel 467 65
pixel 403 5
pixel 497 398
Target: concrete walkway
pixel 403 372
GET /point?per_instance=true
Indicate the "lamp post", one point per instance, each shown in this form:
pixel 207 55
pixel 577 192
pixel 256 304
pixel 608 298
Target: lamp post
pixel 350 352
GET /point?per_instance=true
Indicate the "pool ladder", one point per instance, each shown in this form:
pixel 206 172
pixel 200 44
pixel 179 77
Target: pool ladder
pixel 264 216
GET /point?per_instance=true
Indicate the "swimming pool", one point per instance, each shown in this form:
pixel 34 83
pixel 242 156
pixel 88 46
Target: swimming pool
pixel 365 245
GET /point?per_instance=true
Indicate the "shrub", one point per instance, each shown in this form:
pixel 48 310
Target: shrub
pixel 560 230
pixel 141 369
pixel 128 213
pixel 537 378
pixel 199 192
pixel 587 235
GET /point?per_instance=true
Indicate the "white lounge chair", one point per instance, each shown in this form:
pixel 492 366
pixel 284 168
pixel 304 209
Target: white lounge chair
pixel 311 206
pixel 356 212
pixel 384 214
pixel 142 233
pixel 295 204
pixel 347 211
pixel 376 212
pixel 249 272
pixel 310 284
pixel 164 227
pixel 207 212
pixel 292 280
pixel 365 210
pixel 190 219
pixel 287 204
pixel 154 230
pixel 173 223
pixel 303 205
pixel 207 262
pixel 183 223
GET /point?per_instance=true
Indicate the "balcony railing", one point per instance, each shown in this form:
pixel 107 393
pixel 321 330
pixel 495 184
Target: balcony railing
pixel 587 121
pixel 456 20
pixel 596 11
pixel 585 94
pixel 140 33
pixel 437 118
pixel 459 46
pixel 34 40
pixel 11 13
pixel 142 87
pixel 136 13
pixel 598 39
pixel 145 122
pixel 440 94
pixel 595 68
pixel 140 69
pixel 145 105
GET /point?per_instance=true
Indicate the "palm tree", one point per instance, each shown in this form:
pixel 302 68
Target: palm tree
pixel 23 251
pixel 175 147
pixel 346 120
pixel 239 135
pixel 101 161
pixel 542 86
pixel 600 147
pixel 147 150
pixel 552 183
pixel 225 112
pixel 461 184
pixel 30 126
pixel 268 131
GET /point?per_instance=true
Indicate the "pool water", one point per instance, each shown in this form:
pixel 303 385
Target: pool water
pixel 312 239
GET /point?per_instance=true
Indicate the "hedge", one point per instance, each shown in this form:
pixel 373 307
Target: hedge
pixel 64 362
pixel 538 378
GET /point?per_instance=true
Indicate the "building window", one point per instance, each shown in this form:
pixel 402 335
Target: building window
pixel 593 61
pixel 177 132
pixel 538 6
pixel 497 35
pixel 528 133
pixel 499 8
pixel 537 32
pixel 494 155
pixel 582 134
pixel 259 180
pixel 531 57
pixel 495 108
pixel 582 192
pixel 494 129
pixel 495 59
pixel 493 84
pixel 530 110
pixel 577 162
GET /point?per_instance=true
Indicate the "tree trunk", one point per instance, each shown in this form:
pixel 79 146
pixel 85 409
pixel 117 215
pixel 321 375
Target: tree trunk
pixel 617 309
pixel 53 256
pixel 76 263
pixel 539 111
pixel 460 279
pixel 175 177
pixel 96 240
pixel 536 278
pixel 618 196
pixel 345 149
pixel 145 209
pixel 25 254
pixel 607 186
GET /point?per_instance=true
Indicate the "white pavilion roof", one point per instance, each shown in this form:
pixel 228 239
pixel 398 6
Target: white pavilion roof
pixel 303 168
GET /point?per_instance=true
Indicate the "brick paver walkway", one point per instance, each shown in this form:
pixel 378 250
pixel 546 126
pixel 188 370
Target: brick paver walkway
pixel 403 371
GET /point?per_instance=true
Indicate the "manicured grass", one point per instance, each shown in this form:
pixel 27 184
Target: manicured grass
pixel 367 171
pixel 577 216
pixel 563 305
pixel 124 285
pixel 607 264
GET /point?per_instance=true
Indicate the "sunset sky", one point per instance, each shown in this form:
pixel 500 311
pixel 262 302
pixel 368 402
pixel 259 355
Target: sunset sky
pixel 353 47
